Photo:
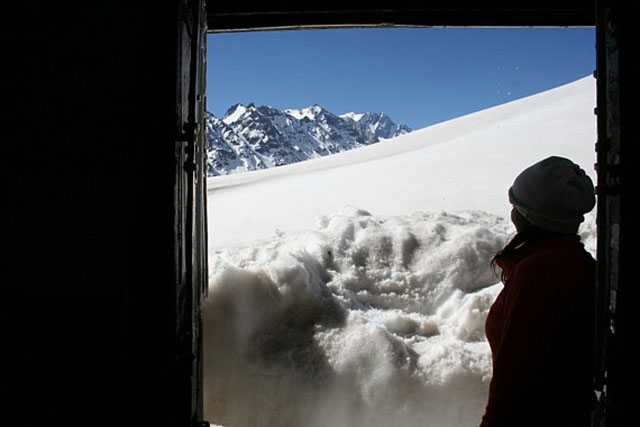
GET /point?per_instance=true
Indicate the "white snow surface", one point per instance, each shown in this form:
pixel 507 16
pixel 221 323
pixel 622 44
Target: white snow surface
pixel 309 112
pixel 352 115
pixel 352 289
pixel 235 114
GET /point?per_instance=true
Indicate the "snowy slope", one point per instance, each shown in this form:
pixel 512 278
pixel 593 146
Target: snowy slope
pixel 352 290
pixel 466 163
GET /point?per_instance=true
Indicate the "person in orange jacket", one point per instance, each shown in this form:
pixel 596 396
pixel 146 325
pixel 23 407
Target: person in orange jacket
pixel 541 326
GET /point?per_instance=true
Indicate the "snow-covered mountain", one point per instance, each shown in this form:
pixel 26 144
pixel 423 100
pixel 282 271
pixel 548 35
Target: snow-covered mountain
pixel 252 138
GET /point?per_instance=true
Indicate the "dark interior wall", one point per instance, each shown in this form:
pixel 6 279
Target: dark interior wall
pixel 236 16
pixel 86 307
pixel 619 92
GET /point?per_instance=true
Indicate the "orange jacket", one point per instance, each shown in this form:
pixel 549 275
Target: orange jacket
pixel 540 329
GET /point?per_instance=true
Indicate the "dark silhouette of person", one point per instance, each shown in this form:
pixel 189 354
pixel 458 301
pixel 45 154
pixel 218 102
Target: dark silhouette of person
pixel 541 326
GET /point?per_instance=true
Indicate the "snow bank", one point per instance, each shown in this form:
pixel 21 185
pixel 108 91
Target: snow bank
pixel 365 321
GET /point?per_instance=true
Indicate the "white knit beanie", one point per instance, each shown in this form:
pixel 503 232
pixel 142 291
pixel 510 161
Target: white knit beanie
pixel 553 194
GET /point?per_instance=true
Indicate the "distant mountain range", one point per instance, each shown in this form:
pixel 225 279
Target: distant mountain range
pixel 251 138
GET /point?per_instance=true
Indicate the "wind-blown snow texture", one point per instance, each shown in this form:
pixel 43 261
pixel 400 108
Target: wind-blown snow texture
pixel 352 317
pixel 252 138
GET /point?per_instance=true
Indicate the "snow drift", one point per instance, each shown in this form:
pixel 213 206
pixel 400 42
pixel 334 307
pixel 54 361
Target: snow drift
pixel 352 290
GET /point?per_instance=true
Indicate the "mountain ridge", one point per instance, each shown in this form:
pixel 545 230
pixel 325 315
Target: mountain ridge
pixel 251 137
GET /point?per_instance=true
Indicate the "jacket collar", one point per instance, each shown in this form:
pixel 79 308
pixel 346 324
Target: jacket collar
pixel 554 243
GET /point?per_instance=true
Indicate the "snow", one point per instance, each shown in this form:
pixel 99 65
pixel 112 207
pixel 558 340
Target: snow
pixel 235 115
pixel 297 114
pixel 352 289
pixel 352 115
pixel 309 112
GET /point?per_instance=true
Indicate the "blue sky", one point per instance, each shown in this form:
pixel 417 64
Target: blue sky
pixel 419 76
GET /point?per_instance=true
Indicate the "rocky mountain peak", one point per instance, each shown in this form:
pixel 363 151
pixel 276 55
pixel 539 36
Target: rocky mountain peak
pixel 249 137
